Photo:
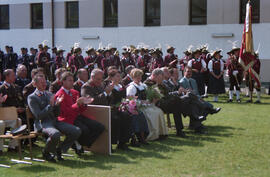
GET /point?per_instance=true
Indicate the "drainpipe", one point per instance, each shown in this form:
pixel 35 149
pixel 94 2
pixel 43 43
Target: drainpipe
pixel 52 15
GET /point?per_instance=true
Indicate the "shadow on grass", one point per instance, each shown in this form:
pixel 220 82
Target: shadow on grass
pixel 156 149
pixel 37 168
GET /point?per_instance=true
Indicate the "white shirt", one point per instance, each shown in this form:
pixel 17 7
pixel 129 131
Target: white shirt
pixel 8 84
pixel 117 87
pixel 40 92
pixel 81 81
pixel 202 61
pixel 132 88
pixel 210 65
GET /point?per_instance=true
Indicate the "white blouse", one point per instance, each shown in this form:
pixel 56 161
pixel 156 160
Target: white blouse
pixel 210 66
pixel 132 88
pixel 202 61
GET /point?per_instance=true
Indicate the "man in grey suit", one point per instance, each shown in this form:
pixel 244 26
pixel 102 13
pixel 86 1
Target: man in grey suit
pixel 45 111
pixel 189 86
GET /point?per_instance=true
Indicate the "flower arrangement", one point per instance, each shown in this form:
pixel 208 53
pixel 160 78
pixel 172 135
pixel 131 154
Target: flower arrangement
pixel 153 93
pixel 132 105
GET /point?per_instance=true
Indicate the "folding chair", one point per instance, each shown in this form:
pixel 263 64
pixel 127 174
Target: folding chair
pixel 10 113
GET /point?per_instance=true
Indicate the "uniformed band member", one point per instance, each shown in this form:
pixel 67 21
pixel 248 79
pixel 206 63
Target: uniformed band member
pixel 156 60
pixel 206 56
pixel 59 58
pixel 44 60
pixel 91 59
pixel 10 59
pixel 126 59
pixel 198 66
pixel 14 94
pixel 235 73
pixel 251 83
pixel 170 57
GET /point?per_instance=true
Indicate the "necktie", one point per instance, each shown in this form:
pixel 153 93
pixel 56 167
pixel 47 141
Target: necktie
pixel 69 93
pixel 190 84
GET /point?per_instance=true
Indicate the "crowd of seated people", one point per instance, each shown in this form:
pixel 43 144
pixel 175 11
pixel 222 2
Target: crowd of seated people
pixel 57 105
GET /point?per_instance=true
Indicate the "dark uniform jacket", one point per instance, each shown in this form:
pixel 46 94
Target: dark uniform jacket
pixel 78 85
pixel 98 93
pixel 15 97
pixel 127 80
pixel 22 83
pixel 55 86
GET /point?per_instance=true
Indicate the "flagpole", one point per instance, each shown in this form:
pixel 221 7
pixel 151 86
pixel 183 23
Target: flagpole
pixel 249 74
pixel 250 84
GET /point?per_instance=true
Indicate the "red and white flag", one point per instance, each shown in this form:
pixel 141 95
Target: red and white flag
pixel 247 54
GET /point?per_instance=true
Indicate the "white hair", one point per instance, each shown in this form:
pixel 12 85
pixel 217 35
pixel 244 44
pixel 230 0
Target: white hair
pixel 95 72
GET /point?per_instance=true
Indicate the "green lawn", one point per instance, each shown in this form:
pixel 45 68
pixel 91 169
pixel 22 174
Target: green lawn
pixel 237 144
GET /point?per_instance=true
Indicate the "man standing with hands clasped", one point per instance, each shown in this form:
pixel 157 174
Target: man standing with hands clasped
pixel 45 110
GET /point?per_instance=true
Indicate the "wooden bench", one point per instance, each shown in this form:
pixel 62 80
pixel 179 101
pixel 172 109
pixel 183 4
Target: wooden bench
pixel 10 113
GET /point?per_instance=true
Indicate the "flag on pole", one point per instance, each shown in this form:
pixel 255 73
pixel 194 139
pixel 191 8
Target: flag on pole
pixel 247 54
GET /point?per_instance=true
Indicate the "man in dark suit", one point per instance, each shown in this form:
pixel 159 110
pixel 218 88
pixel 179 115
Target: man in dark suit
pixel 82 75
pixel 21 79
pixel 45 110
pixel 29 88
pixel 189 86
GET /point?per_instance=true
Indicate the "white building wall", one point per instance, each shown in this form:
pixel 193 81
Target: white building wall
pixel 179 35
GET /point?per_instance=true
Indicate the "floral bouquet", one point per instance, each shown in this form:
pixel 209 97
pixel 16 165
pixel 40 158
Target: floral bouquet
pixel 153 93
pixel 132 105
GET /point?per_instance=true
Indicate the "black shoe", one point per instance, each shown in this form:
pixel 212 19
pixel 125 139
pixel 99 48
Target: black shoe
pixel 144 143
pixel 59 155
pixel 48 157
pixel 215 110
pixel 257 102
pixel 199 131
pixel 135 143
pixel 181 134
pixel 230 100
pixel 249 101
pixel 204 96
pixel 13 150
pixel 123 147
pixel 79 152
pixel 191 127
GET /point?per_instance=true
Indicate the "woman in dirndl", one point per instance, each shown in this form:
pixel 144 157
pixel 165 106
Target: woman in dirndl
pixel 216 80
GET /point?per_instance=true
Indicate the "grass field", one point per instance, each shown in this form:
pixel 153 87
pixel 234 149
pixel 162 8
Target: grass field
pixel 237 143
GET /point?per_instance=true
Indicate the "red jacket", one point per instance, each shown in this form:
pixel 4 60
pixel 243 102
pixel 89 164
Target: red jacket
pixel 69 109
